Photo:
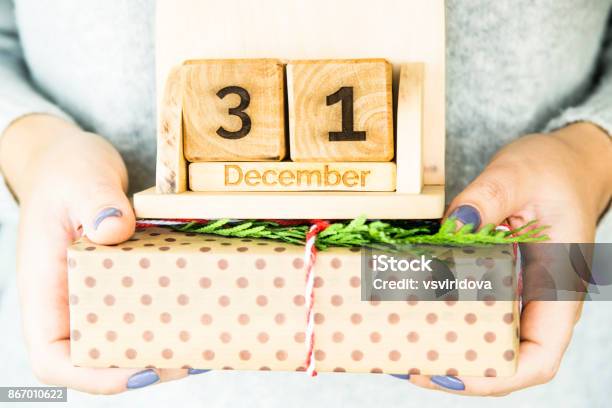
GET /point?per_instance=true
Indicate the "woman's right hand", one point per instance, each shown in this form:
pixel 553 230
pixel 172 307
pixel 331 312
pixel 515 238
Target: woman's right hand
pixel 69 183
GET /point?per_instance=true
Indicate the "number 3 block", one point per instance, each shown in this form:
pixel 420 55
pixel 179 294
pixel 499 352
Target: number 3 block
pixel 340 110
pixel 233 110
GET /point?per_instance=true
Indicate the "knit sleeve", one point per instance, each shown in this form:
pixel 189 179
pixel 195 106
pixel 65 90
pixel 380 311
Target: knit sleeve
pixel 597 107
pixel 18 96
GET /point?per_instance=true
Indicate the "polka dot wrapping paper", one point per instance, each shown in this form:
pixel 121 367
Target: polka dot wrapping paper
pixel 170 299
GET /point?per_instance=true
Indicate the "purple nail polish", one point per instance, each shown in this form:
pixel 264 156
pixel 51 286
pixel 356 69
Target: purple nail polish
pixel 142 379
pixel 448 382
pixel 401 376
pixel 467 215
pixel 196 371
pixel 104 214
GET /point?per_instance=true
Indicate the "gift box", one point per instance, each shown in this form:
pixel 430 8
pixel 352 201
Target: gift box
pixel 171 299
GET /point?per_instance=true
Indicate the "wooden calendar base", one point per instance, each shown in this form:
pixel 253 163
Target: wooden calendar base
pixel 291 205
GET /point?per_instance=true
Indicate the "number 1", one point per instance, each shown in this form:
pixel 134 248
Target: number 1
pixel 344 95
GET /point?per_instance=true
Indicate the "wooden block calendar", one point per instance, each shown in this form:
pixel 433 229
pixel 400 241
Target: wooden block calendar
pixel 269 117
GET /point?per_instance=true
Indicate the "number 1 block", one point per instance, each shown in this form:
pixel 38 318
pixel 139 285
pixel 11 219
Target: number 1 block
pixel 340 110
pixel 233 110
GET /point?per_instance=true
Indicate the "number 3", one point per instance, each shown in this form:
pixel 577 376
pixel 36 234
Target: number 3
pixel 245 100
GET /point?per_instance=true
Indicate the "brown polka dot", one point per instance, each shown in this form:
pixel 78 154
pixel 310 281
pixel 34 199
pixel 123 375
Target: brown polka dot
pixel 184 336
pixel 90 281
pixel 412 300
pixel 319 318
pixel 129 318
pixel 242 282
pixel 508 318
pixel 507 281
pixel 242 249
pixel 244 319
pixel 170 240
pixel 167 354
pixel 336 263
pixel 127 249
pixel 130 354
pixel 148 336
pixel 279 282
pixel 206 319
pixel 165 317
pixel 356 318
pixel 431 318
pixel 489 300
pixel 260 264
pixel 279 318
pixel 299 337
pixel 339 370
pixel 264 368
pixel 225 337
pixel 338 337
pixel 376 371
pixel 109 300
pixel 393 318
pixel 357 355
pixel 452 371
pixel 298 263
pixel 509 355
pixel 182 299
pixel 432 355
pixel 205 283
pixel 149 244
pixel 111 335
pixel 336 300
pixel 318 282
pixel 205 249
pixel 471 355
pixel 490 372
pixel 146 300
pixel 319 355
pixel 127 281
pixel 298 300
pixel 470 318
pixel 374 300
pixel 413 337
pixel 279 249
pixel 92 317
pixel 245 355
pixel 489 337
pixel 414 371
pixel 222 264
pixel 224 301
pixel 144 263
pixel 107 263
pixel 75 335
pixel 164 281
pixel 263 337
pixel 90 248
pixel 227 368
pixel 394 355
pixel 281 355
pixel 94 353
pixel 208 355
pixel 164 248
pixel 451 336
pixel 73 300
pixel 71 263
pixel 261 300
pixel 355 281
pixel 181 263
pixel 375 337
pixel 450 301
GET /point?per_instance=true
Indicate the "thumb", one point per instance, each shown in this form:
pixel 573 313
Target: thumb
pixel 491 198
pixel 104 212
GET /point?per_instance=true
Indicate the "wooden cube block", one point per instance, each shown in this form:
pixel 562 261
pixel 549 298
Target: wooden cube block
pixel 340 110
pixel 234 110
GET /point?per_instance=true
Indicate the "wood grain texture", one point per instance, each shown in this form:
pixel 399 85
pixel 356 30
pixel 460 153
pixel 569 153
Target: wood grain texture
pixel 292 176
pixel 399 31
pixel 207 112
pixel 291 205
pixel 312 117
pixel 171 168
pixel 409 117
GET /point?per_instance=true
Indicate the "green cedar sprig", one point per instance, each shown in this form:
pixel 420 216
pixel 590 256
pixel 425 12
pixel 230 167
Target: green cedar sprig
pixel 374 234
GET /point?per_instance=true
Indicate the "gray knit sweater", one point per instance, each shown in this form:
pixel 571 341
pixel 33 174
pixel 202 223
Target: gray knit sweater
pixel 514 67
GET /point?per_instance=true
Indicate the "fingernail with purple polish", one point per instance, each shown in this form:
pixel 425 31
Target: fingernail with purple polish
pixel 196 371
pixel 448 382
pixel 401 376
pixel 467 215
pixel 142 379
pixel 105 213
